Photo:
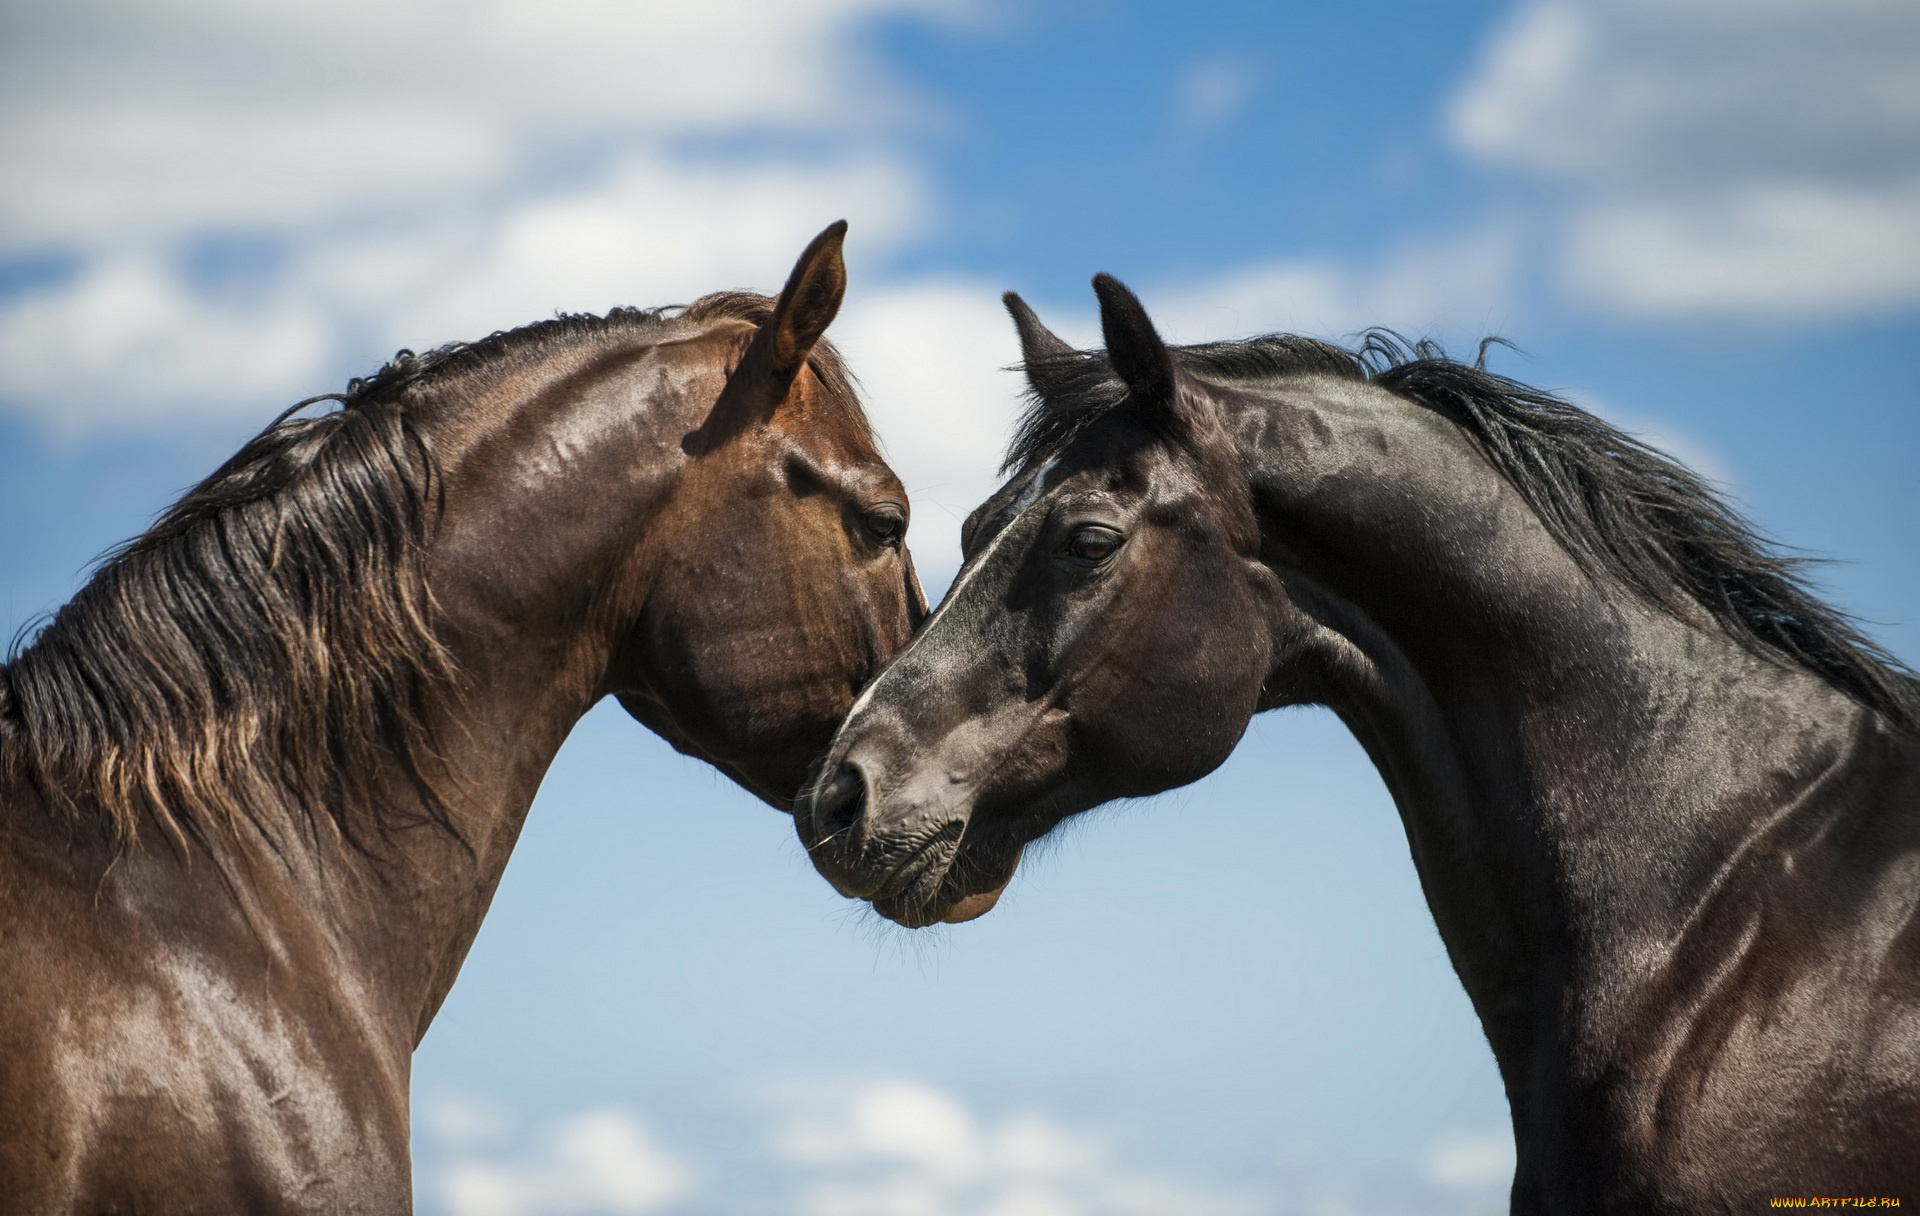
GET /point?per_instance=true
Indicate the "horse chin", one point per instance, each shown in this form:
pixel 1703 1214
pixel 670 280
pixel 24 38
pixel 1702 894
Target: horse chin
pixel 951 906
pixel 973 906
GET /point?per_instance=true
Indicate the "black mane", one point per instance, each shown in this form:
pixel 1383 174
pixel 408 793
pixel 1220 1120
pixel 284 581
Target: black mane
pixel 263 649
pixel 1616 504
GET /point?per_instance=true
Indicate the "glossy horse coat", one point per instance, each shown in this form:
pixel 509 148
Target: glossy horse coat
pixel 1664 804
pixel 259 780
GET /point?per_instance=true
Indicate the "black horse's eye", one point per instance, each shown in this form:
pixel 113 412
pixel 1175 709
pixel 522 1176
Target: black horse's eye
pixel 1093 546
pixel 886 525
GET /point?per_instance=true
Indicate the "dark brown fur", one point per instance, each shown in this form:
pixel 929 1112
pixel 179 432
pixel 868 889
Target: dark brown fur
pixel 259 780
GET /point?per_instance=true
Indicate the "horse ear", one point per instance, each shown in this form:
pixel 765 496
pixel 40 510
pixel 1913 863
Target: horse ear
pixel 1044 356
pixel 807 305
pixel 1139 357
pixel 782 344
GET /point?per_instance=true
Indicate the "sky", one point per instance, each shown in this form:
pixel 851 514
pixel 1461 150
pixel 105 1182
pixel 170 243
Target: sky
pixel 1699 218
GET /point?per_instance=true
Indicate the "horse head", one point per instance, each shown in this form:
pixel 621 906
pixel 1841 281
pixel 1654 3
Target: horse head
pixel 1091 648
pixel 776 578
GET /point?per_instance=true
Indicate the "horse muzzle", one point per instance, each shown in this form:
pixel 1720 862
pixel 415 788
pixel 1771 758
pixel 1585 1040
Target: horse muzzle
pixel 899 853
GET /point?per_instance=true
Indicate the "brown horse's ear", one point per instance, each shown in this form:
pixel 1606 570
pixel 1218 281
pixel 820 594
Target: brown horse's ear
pixel 807 305
pixel 1044 356
pixel 1139 357
pixel 781 346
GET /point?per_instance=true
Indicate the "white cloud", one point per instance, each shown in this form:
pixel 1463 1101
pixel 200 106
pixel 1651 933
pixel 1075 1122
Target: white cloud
pixel 1212 92
pixel 131 340
pixel 657 231
pixel 896 1147
pixel 1461 283
pixel 902 1148
pixel 426 171
pixel 140 115
pixel 1470 1160
pixel 113 175
pixel 1752 160
pixel 1692 88
pixel 1770 249
pixel 931 359
pixel 1523 73
pixel 463 1124
pixel 598 1162
pixel 128 342
pixel 892 1121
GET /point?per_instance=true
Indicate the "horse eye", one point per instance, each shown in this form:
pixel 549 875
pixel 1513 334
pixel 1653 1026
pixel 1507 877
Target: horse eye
pixel 1093 546
pixel 885 525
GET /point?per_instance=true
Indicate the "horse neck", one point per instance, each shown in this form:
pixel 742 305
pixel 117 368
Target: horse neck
pixel 1570 763
pixel 547 499
pixel 254 784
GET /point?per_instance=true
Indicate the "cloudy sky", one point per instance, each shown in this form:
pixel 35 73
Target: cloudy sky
pixel 1699 217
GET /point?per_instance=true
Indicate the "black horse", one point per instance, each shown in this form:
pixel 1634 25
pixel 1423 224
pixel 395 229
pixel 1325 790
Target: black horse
pixel 1665 804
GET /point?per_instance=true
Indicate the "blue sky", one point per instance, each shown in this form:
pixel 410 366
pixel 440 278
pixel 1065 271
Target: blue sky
pixel 1698 217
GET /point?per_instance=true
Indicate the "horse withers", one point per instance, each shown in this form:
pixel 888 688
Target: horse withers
pixel 1664 804
pixel 260 778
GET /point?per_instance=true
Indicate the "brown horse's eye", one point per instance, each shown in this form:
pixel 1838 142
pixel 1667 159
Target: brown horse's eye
pixel 1093 546
pixel 886 525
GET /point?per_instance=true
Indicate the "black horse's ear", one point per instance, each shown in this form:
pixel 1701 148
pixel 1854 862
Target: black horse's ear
pixel 1044 356
pixel 807 305
pixel 1139 357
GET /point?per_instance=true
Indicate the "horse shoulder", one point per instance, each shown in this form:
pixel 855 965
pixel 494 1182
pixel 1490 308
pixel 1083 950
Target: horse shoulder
pixel 1787 1052
pixel 151 1058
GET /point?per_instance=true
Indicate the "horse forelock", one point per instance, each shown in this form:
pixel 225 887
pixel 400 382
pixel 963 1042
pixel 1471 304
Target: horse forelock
pixel 1071 390
pixel 1618 506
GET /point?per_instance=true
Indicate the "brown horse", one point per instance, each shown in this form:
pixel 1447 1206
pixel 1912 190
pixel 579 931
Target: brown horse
pixel 259 779
pixel 1664 803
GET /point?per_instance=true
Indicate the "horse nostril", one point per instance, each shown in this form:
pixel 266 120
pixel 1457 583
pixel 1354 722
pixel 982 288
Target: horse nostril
pixel 837 807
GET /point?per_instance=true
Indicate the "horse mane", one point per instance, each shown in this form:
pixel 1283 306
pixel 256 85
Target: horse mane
pixel 408 372
pixel 1615 504
pixel 269 644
